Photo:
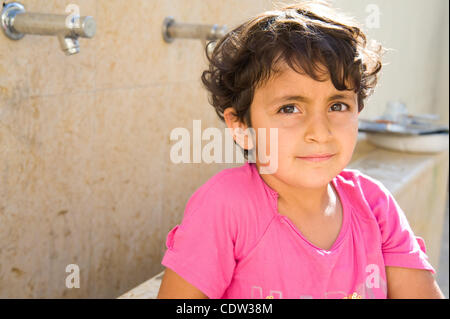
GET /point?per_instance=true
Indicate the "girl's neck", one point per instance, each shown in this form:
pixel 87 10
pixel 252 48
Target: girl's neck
pixel 305 201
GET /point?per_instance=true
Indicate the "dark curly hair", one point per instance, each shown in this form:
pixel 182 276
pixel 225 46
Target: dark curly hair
pixel 307 34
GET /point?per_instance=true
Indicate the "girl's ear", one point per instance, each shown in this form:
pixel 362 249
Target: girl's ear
pixel 238 130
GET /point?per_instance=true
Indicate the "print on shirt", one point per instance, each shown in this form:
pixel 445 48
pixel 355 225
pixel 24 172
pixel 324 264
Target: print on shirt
pixel 364 290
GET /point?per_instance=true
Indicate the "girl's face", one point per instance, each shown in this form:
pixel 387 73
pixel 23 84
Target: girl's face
pixel 312 117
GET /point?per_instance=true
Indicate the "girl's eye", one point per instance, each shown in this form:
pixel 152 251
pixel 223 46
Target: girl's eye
pixel 341 106
pixel 289 109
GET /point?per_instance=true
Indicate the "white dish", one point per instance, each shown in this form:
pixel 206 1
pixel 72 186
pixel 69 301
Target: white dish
pixel 429 143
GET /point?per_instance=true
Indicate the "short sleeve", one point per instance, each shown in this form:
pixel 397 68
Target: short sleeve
pixel 201 248
pixel 400 247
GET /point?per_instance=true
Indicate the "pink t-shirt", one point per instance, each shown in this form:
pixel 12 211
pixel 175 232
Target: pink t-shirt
pixel 233 243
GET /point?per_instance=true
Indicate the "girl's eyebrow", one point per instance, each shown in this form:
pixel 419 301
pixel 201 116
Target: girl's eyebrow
pixel 305 99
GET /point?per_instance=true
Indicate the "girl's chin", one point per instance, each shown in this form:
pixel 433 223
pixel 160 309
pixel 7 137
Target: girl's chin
pixel 312 174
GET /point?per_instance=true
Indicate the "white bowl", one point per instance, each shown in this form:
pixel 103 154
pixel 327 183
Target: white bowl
pixel 429 143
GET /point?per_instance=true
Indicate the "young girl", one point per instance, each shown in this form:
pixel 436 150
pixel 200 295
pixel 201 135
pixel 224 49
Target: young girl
pixel 312 228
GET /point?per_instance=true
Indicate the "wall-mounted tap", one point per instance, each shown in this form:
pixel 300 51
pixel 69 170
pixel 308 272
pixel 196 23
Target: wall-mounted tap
pixel 16 23
pixel 172 30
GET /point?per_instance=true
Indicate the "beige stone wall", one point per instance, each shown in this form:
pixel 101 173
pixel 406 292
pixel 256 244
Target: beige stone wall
pixel 84 143
pixel 85 176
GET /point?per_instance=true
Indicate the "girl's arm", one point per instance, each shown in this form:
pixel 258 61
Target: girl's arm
pixel 409 283
pixel 174 286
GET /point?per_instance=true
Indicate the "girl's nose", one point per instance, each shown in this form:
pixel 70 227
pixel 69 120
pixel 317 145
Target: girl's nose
pixel 318 129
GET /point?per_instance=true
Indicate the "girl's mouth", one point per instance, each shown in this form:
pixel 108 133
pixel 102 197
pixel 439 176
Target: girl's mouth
pixel 317 158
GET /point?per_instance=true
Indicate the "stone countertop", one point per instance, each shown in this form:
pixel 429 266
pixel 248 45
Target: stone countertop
pixel 393 169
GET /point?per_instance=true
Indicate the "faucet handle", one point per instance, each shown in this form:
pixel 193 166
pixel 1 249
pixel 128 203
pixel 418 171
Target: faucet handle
pixel 85 27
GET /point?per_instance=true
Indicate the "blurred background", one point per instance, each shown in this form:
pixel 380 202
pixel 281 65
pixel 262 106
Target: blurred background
pixel 85 175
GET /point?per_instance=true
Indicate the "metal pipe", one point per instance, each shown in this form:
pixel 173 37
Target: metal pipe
pixel 173 30
pixel 16 23
pixel 53 24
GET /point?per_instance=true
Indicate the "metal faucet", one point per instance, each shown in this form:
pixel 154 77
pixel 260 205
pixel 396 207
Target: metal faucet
pixel 204 32
pixel 16 23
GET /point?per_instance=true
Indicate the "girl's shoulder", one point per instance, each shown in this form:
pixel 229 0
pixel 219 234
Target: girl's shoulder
pixel 368 195
pixel 228 185
pixel 236 194
pixel 354 180
pixel 370 187
pixel 233 202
